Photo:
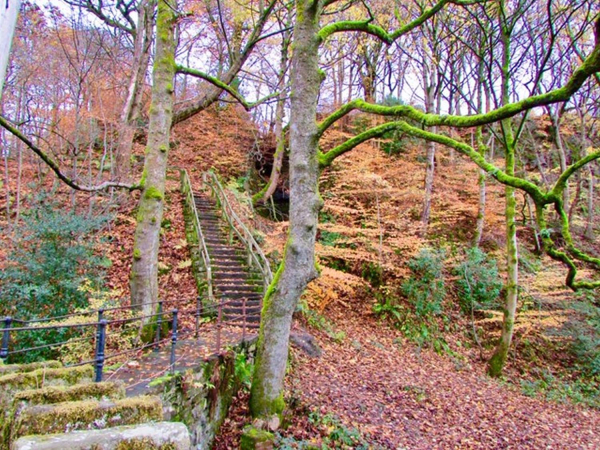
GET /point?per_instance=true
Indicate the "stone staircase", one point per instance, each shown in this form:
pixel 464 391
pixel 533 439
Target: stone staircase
pixel 234 281
pixel 47 406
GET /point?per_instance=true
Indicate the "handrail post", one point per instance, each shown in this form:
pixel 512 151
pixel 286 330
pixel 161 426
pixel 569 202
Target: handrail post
pixel 173 340
pixel 158 326
pixel 5 338
pixel 244 319
pixel 100 348
pixel 198 313
pixel 219 320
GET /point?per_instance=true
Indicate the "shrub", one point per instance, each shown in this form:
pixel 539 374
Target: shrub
pixel 425 289
pixel 478 282
pixel 52 259
pixel 44 274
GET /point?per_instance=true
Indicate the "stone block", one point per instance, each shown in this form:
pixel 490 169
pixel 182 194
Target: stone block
pixel 85 415
pixel 149 436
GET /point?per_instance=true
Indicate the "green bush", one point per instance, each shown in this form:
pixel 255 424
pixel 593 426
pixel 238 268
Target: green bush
pixel 478 282
pixel 44 273
pixel 586 344
pixel 426 288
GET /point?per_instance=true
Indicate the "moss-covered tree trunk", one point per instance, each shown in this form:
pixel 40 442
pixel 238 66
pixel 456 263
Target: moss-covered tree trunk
pixel 144 270
pixel 498 359
pixel 298 266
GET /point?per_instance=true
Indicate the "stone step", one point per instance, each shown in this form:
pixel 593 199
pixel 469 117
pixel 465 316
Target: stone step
pixel 232 295
pixel 72 416
pixel 239 310
pixel 6 369
pixel 65 376
pixel 147 436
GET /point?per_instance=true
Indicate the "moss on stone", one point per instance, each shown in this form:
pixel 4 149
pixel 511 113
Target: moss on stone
pixel 254 439
pixel 143 444
pixel 6 369
pixel 82 415
pixel 60 394
pixel 137 254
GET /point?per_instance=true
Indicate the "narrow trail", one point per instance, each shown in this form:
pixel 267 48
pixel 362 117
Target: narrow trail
pixel 405 398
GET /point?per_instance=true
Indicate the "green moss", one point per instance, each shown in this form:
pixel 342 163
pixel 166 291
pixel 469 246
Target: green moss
pixel 153 193
pixel 137 254
pixel 60 394
pixel 13 368
pixel 164 148
pixel 143 444
pixel 40 377
pixel 252 438
pixel 71 416
pixel 144 178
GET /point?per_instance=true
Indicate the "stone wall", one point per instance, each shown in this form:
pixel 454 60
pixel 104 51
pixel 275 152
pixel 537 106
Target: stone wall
pixel 200 397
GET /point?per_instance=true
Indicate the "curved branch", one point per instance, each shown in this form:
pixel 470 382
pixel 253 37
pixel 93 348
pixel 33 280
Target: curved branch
pixel 325 159
pixel 377 31
pixel 588 68
pixel 225 87
pixel 54 167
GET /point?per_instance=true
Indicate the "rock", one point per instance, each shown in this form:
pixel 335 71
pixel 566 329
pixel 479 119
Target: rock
pixel 274 423
pixel 5 369
pixel 256 439
pixel 306 343
pixel 81 415
pixel 147 436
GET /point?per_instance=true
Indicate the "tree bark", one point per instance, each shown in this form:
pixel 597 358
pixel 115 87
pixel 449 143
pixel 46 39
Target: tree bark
pixel 298 267
pixel 498 359
pixel 144 270
pixel 9 11
pixel 131 109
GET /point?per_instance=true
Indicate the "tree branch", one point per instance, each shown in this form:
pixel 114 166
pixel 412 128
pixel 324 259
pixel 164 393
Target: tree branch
pixel 225 87
pixel 54 167
pixel 588 68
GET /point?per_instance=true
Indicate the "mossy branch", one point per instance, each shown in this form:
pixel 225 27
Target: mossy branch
pixel 551 250
pixel 224 86
pixel 367 27
pixel 56 169
pixel 588 68
pixel 325 159
pixel 561 183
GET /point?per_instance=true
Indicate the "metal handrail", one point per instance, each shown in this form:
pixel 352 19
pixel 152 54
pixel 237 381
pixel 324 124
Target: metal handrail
pixel 236 225
pixel 189 199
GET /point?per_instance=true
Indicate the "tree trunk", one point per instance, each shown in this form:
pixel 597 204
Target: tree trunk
pixel 298 266
pixel 498 359
pixel 144 270
pixel 9 11
pixel 131 109
pixel 429 86
pixel 279 115
pixel 589 230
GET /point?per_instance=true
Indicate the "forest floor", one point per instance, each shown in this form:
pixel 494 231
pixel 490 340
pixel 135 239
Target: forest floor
pixel 371 386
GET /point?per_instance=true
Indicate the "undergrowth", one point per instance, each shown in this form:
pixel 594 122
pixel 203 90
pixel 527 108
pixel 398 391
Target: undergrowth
pixel 319 322
pixel 334 435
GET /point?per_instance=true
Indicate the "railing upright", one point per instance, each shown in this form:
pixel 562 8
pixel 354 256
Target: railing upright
pixel 244 319
pixel 173 340
pixel 158 327
pixel 218 326
pixel 100 348
pixel 5 338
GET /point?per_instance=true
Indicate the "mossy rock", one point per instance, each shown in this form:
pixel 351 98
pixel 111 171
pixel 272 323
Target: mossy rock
pixel 155 436
pixel 59 394
pixel 12 383
pixel 256 439
pixel 6 369
pixel 105 390
pixel 85 415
